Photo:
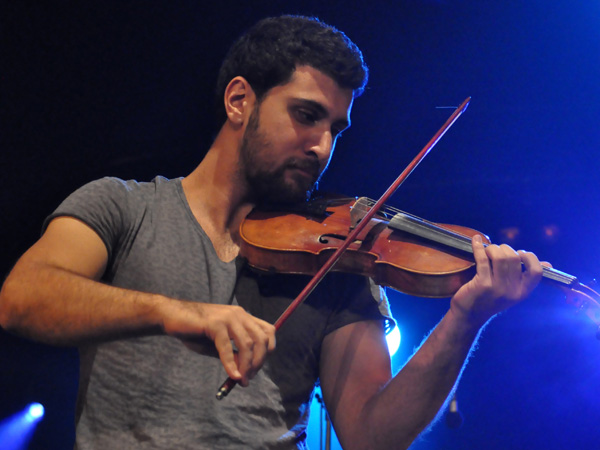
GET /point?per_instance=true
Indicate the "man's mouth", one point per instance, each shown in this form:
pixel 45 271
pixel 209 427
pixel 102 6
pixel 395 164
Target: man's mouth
pixel 304 173
pixel 308 170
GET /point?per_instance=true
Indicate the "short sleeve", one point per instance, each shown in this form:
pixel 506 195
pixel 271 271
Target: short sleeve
pixel 358 298
pixel 103 205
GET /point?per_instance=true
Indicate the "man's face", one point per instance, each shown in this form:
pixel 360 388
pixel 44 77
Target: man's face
pixel 290 136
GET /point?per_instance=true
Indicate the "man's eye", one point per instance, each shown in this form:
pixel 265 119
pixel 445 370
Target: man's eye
pixel 306 116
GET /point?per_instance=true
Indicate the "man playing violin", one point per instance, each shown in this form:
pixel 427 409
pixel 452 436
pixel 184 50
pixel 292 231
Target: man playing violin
pixel 146 280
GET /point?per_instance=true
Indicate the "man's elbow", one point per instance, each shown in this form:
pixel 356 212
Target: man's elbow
pixel 12 309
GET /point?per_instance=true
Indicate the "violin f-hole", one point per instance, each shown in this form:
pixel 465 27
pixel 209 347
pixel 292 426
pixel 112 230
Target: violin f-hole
pixel 327 238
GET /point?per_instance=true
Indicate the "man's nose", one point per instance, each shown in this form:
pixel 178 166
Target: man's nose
pixel 322 146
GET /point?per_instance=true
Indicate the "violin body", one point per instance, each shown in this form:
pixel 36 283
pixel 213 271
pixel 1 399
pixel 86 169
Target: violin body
pixel 301 242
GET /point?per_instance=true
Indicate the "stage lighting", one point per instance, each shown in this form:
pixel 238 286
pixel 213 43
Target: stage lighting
pixel 17 430
pixel 393 338
pixel 550 233
pixel 510 234
pixel 35 411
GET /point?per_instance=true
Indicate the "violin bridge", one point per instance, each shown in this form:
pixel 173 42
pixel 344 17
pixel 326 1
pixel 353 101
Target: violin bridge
pixel 359 210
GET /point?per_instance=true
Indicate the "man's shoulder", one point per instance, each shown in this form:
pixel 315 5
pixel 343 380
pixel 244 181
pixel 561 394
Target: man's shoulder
pixel 131 185
pixel 120 189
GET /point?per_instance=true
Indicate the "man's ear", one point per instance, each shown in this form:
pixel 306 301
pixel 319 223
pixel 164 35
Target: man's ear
pixel 239 100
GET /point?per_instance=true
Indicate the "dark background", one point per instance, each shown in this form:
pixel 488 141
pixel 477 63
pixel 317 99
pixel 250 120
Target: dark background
pixel 125 88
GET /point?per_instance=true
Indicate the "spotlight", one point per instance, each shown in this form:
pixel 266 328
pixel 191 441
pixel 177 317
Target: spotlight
pixel 17 430
pixel 35 411
pixel 393 338
pixel 550 233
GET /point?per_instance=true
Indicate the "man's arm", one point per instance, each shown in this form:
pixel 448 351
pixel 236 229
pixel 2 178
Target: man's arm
pixel 371 411
pixel 53 295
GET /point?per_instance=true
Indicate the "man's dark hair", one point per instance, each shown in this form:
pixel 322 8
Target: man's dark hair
pixel 267 55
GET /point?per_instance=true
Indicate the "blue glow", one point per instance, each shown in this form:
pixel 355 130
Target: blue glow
pixel 35 411
pixel 393 339
pixel 16 431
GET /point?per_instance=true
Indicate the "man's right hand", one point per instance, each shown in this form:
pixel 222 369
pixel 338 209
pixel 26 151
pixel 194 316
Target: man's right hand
pixel 241 340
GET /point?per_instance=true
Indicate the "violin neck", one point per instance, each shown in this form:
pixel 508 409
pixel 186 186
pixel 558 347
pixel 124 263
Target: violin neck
pixel 440 235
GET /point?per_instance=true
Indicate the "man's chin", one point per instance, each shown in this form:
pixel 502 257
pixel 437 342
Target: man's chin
pixel 288 198
pixel 285 195
pixel 287 188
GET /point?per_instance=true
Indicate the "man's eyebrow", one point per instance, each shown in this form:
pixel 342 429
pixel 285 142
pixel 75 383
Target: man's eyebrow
pixel 318 107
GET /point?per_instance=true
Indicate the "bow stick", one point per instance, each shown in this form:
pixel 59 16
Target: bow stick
pixel 230 383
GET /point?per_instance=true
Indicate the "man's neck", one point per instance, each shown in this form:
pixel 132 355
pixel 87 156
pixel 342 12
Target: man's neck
pixel 217 197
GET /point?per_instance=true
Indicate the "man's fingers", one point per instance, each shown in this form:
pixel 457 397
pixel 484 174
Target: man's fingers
pixel 226 355
pixel 533 269
pixel 254 343
pixel 507 266
pixel 482 261
pixel 253 340
pixel 269 330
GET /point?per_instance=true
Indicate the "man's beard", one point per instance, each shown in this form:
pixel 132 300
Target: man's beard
pixel 268 185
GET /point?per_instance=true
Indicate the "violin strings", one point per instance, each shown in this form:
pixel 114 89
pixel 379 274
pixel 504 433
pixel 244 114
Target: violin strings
pixel 548 272
pixel 390 210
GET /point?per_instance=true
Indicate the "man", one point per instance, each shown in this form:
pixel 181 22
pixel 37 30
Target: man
pixel 144 278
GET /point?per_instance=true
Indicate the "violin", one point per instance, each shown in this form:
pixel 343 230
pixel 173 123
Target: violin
pixel 394 248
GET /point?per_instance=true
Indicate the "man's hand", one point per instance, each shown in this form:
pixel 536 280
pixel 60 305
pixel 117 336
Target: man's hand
pixel 226 326
pixel 504 277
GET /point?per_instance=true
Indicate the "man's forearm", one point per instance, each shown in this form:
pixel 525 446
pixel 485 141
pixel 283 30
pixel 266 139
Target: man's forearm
pixel 422 386
pixel 55 306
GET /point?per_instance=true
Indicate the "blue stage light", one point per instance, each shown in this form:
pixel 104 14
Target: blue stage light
pixel 17 430
pixel 35 411
pixel 393 338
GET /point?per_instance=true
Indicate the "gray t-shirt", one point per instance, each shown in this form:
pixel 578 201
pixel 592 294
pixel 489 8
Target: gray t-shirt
pixel 153 392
